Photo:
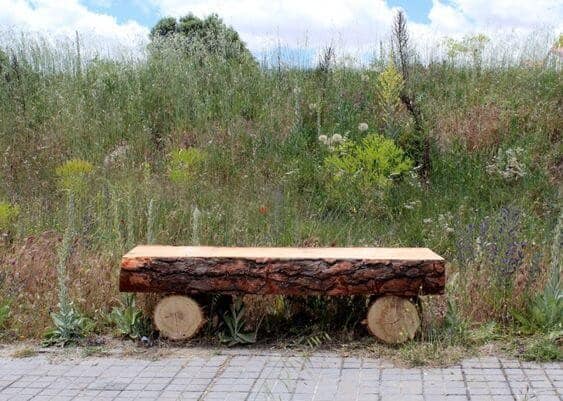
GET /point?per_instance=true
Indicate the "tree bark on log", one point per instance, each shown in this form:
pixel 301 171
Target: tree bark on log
pixel 179 274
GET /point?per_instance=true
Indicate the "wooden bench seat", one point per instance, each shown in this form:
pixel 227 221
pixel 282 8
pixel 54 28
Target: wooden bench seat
pixel 282 271
pixel 392 275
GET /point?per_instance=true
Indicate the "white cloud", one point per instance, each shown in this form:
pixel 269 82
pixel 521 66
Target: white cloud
pixel 315 23
pixel 359 25
pixel 100 32
pixel 354 26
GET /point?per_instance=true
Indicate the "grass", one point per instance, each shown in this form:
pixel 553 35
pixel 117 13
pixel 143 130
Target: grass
pixel 179 149
pixel 26 352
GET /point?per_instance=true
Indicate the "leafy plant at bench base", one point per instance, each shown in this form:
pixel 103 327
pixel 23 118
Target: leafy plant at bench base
pixel 69 327
pixel 235 323
pixel 129 320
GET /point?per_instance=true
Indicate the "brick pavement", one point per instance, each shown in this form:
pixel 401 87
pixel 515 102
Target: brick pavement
pixel 241 376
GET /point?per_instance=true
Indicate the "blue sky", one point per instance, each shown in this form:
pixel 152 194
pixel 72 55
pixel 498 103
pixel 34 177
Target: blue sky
pixel 417 10
pixel 145 13
pixel 351 26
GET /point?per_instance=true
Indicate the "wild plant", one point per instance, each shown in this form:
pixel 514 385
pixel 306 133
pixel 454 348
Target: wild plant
pixel 196 221
pixel 234 332
pixel 69 325
pixel 129 321
pixel 543 312
pixel 509 164
pixel 184 164
pixel 490 254
pixel 359 171
pixel 5 312
pixel 390 85
pixel 8 216
pixel 470 48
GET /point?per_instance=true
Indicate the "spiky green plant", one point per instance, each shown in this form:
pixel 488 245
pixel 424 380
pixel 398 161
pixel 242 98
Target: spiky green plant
pixel 234 332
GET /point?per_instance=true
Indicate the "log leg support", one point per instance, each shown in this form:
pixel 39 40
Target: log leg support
pixel 178 317
pixel 393 319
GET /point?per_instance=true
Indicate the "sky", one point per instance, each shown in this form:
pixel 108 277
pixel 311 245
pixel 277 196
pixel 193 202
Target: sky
pixel 300 26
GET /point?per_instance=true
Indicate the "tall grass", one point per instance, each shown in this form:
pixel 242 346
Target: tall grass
pixel 261 179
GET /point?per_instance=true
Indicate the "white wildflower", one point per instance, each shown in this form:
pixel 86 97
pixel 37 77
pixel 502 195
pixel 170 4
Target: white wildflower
pixel 427 221
pixel 362 127
pixel 336 139
pixel 323 139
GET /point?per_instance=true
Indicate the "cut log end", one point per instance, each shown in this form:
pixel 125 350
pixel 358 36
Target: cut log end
pixel 178 317
pixel 393 319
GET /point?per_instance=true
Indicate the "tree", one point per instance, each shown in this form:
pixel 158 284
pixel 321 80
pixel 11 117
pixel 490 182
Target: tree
pixel 211 32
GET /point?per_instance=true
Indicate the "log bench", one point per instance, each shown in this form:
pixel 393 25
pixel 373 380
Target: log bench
pixel 393 276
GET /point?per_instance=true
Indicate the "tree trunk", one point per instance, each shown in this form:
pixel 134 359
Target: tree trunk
pixel 178 317
pixel 283 271
pixel 393 320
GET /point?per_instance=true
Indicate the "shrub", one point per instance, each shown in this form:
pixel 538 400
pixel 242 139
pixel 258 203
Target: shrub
pixel 72 175
pixel 362 169
pixel 8 216
pixel 184 164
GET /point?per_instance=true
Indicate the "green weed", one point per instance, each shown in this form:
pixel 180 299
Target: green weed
pixel 129 320
pixel 234 332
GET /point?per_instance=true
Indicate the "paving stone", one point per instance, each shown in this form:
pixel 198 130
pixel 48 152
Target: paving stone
pixel 263 375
